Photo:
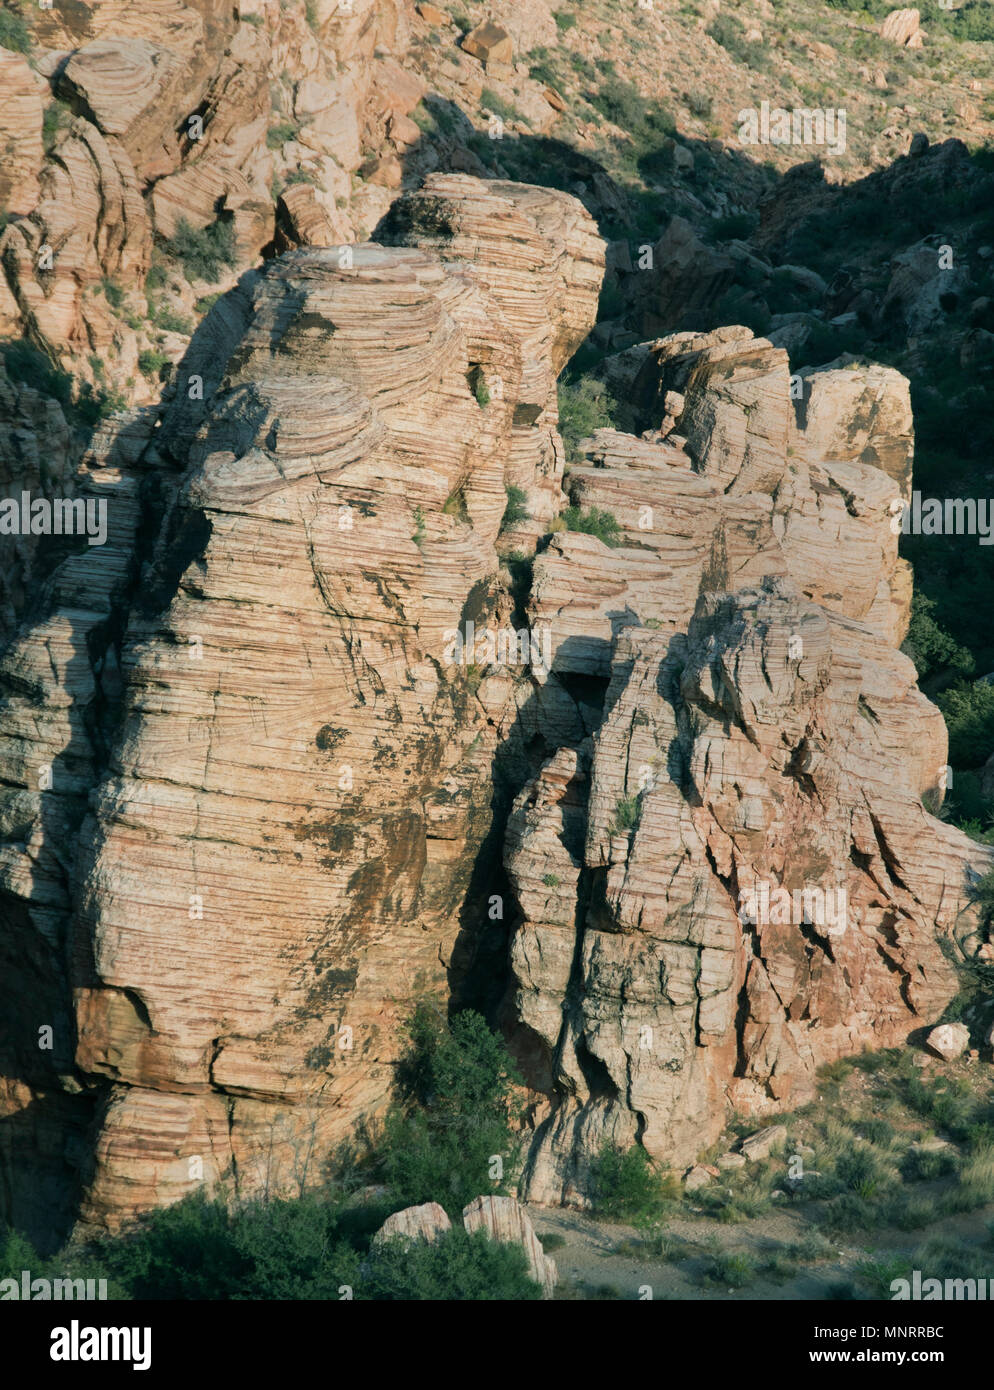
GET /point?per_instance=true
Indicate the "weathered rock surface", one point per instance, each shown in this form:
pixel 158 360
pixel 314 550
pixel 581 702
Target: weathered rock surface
pixel 21 109
pixel 759 727
pixel 505 1219
pixel 949 1040
pixel 274 779
pixel 427 1222
pixel 902 27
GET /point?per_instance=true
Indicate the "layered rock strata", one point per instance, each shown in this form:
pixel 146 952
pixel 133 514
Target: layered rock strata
pixel 243 779
pixel 252 794
pixel 756 734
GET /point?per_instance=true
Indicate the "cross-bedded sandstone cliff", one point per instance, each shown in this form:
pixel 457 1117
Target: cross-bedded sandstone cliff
pixel 249 809
pixel 267 787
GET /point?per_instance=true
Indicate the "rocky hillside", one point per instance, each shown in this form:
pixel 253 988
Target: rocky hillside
pixel 288 293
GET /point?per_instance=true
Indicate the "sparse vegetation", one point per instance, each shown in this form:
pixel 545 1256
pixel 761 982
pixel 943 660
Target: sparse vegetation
pixel 584 406
pixel 594 522
pixel 627 1186
pixel 14 32
pixel 204 253
pixel 420 529
pixel 517 507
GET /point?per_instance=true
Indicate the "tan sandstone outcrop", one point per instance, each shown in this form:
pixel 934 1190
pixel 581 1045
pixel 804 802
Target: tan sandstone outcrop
pixel 761 728
pixel 251 806
pixel 505 1219
pixel 275 779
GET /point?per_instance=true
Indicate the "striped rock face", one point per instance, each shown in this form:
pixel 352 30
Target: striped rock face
pixel 735 879
pixel 244 787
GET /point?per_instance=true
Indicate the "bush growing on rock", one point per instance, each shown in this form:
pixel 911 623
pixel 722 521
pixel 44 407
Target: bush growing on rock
pixel 454 1113
pixel 583 407
pixel 206 252
pixel 461 1265
pixel 595 522
pixel 516 509
pixel 629 1187
pixel 14 33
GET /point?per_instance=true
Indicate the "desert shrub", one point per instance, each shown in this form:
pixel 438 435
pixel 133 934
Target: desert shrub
pixel 280 134
pixel 14 33
pixel 729 31
pixel 151 362
pixel 172 322
pixel 731 1269
pixel 204 253
pixel 564 20
pixel 83 405
pixel 420 529
pixel 516 509
pixel 202 1249
pixel 495 103
pixel 627 1185
pixel 646 124
pixel 26 364
pixel 595 522
pixel 454 1113
pixel 55 119
pixel 626 815
pixel 460 1266
pixel 478 385
pixel 968 710
pixel 584 406
pixel 930 647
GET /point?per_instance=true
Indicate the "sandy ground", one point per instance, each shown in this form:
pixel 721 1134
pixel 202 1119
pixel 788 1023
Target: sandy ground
pixel 591 1266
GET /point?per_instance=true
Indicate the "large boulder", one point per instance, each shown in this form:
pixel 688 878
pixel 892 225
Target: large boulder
pixel 949 1040
pixel 426 1222
pixel 505 1219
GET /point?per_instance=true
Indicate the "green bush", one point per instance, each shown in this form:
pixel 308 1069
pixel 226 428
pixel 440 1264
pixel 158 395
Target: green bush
pixel 55 119
pixel 450 1134
pixel 516 509
pixel 595 522
pixel 930 647
pixel 151 362
pixel 730 33
pixel 583 407
pixel 968 710
pixel 627 1186
pixel 492 101
pixel 204 253
pixel 280 134
pixel 171 322
pixel 420 529
pixel 14 33
pixel 458 1267
pixel 83 405
pixel 564 20
pixel 626 815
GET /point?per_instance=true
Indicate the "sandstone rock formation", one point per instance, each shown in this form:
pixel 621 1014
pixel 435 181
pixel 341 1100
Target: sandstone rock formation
pixel 251 805
pixel 903 28
pixel 506 1220
pixel 752 723
pixel 426 1222
pixel 266 781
